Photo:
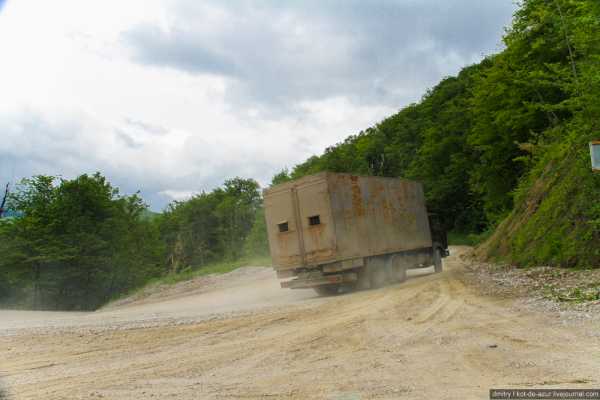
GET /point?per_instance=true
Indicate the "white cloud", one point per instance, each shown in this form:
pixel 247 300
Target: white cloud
pixel 173 96
pixel 178 195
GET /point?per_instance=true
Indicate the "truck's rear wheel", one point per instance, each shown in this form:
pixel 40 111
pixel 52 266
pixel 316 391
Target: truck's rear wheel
pixel 363 281
pixel 377 278
pixel 380 271
pixel 327 290
pixel 400 273
pixel 399 269
pixel 437 259
pixel 378 275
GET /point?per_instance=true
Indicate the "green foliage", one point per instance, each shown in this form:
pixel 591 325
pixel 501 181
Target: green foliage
pixel 501 147
pixel 281 177
pixel 428 142
pixel 212 226
pixel 505 138
pixel 217 267
pixel 257 243
pixel 77 243
pixel 555 220
pixel 456 238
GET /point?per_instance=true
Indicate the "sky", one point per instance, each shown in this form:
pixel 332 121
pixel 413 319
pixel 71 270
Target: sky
pixel 172 97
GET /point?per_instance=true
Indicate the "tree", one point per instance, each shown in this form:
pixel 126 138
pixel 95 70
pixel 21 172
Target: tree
pixel 78 242
pixel 210 226
pixel 281 177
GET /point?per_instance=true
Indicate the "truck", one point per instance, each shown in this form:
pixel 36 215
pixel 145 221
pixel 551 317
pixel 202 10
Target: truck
pixel 335 231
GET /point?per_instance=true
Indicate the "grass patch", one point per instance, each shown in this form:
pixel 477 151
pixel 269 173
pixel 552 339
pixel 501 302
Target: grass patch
pixel 467 239
pixel 189 273
pixel 583 294
pixel 568 285
pixel 556 219
pixel 220 267
pixel 459 239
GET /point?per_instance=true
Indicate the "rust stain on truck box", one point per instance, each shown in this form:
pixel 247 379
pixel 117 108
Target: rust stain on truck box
pixel 357 200
pixel 337 217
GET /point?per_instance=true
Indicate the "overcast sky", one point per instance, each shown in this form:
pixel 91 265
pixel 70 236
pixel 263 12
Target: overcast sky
pixel 172 97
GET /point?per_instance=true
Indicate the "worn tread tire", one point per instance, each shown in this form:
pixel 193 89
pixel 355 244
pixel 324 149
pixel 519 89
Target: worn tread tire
pixel 399 268
pixel 363 282
pixel 437 260
pixel 377 276
pixel 400 273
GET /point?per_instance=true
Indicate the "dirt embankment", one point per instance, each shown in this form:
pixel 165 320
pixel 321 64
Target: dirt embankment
pixel 434 336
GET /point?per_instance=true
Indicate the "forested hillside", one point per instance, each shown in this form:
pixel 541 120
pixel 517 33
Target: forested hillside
pixel 501 149
pixel 79 243
pixel 76 244
pixel 505 143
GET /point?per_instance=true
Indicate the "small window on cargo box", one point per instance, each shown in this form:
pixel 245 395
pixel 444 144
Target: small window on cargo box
pixel 283 227
pixel 314 220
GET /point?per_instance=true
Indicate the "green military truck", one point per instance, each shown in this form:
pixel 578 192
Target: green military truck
pixel 330 231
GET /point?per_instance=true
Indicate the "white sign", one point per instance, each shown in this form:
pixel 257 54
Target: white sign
pixel 595 154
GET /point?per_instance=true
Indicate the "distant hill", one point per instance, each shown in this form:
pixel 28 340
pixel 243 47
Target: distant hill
pixel 148 215
pixel 503 148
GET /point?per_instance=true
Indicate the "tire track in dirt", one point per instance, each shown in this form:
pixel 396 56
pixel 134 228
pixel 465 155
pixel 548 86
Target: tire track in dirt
pixel 430 337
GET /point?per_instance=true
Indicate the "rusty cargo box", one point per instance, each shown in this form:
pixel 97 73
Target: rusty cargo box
pixel 333 217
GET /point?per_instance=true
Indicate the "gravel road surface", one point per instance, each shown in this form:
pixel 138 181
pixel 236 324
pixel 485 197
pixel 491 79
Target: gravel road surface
pixel 239 336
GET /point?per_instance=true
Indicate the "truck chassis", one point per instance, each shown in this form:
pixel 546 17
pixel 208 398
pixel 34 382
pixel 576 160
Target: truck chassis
pixel 363 273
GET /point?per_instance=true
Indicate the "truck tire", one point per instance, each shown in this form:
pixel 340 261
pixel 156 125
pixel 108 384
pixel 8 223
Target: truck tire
pixel 400 273
pixel 327 290
pixel 363 282
pixel 437 259
pixel 377 278
pixel 380 271
pixel 399 268
pixel 377 275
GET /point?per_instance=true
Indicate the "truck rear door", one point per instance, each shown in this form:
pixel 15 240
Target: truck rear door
pixel 318 230
pixel 284 236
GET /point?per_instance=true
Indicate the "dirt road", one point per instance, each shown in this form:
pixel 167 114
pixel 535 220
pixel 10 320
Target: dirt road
pixel 432 337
